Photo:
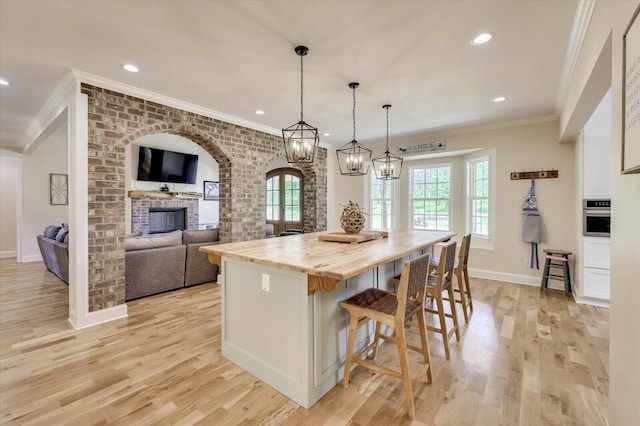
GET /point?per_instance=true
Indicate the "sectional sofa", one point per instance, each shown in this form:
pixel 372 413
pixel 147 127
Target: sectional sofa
pixel 160 262
pixel 154 263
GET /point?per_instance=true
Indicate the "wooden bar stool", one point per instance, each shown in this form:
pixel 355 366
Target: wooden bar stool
pixel 435 286
pixel 558 259
pixel 393 310
pixel 462 275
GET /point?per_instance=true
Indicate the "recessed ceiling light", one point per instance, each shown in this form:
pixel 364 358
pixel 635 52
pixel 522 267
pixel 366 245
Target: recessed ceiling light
pixel 259 112
pixel 481 39
pixel 131 68
pixel 500 99
pixel 326 134
pixel 4 82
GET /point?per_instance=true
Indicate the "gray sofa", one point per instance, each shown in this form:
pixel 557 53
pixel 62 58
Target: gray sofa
pixel 54 248
pixel 161 262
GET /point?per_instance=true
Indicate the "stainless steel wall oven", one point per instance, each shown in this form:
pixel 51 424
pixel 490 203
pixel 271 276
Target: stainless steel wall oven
pixel 596 218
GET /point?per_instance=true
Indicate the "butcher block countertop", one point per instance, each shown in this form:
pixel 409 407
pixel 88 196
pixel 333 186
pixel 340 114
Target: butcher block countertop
pixel 326 262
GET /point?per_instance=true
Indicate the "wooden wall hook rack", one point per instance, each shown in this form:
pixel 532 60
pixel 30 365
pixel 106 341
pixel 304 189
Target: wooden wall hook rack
pixel 537 174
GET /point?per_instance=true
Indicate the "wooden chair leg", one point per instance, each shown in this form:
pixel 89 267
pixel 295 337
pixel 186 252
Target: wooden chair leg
pixel 426 354
pixel 375 344
pixel 463 298
pixel 351 343
pixel 443 325
pixel 404 367
pixel 454 313
pixel 465 273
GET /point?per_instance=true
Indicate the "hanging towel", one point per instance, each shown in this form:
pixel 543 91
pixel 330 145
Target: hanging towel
pixel 533 230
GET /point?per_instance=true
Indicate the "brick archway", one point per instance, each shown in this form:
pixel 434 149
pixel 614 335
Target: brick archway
pixel 116 119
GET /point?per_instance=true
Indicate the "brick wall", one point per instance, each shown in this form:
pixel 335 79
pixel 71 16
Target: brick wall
pixel 115 119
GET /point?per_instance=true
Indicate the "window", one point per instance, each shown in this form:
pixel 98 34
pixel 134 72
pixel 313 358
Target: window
pixel 292 198
pixel 478 194
pixel 431 198
pixel 273 198
pixel 381 203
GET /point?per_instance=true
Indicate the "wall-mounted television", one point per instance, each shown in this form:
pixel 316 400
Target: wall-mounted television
pixel 159 165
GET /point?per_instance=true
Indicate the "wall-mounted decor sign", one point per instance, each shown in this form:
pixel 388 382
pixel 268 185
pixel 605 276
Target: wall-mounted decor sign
pixel 58 189
pixel 211 190
pixel 631 97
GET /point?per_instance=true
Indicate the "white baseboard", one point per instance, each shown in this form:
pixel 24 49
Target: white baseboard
pixel 98 317
pixel 10 253
pixel 514 278
pixel 32 258
pixel 591 301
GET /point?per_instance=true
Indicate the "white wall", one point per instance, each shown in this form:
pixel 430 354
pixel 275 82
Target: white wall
pixel 9 167
pixel 207 170
pixel 49 156
pixel 608 23
pixel 341 190
pixel 528 147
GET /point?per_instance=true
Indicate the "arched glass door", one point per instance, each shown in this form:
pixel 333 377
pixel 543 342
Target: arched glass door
pixel 285 199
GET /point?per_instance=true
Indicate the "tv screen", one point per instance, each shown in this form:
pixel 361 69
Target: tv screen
pixel 158 165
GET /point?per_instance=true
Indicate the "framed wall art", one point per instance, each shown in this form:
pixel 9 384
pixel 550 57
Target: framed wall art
pixel 631 96
pixel 58 189
pixel 211 190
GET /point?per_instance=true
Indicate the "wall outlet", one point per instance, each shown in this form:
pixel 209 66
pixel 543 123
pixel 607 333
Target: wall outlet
pixel 265 282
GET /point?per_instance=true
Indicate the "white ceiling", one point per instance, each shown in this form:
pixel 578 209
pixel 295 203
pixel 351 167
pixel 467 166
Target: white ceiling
pixel 237 56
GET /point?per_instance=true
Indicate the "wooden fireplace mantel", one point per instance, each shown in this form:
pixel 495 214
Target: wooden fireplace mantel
pixel 162 194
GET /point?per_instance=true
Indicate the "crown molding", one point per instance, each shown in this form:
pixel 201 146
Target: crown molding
pixel 436 134
pixel 581 21
pixel 50 111
pixel 126 89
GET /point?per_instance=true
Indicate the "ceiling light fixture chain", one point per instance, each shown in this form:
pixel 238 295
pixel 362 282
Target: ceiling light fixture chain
pixel 387 166
pixel 301 140
pixel 354 86
pixel 353 157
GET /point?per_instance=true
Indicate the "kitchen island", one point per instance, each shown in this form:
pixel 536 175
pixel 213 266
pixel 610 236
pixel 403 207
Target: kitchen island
pixel 280 315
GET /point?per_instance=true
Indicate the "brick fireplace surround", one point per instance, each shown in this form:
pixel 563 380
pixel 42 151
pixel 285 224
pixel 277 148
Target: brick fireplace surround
pixel 140 211
pixel 243 154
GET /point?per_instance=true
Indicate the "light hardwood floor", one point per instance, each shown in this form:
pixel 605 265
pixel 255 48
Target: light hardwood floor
pixel 524 358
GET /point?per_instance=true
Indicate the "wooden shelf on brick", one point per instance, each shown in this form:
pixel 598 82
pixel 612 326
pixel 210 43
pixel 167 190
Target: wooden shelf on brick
pixel 162 194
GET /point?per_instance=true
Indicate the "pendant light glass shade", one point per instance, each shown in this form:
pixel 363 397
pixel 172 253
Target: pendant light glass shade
pixel 301 140
pixel 387 166
pixel 354 158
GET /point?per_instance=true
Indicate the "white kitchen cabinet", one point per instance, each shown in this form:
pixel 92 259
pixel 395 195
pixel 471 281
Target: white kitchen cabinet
pixel 597 252
pixel 597 151
pixel 596 283
pixel 596 262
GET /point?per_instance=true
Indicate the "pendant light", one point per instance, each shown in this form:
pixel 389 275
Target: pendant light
pixel 300 139
pixel 354 158
pixel 387 166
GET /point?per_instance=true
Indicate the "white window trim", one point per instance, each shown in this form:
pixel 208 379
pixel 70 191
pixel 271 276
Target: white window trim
pixel 480 241
pixel 451 193
pixel 394 202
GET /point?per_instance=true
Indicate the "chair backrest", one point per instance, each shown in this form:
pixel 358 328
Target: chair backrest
pixel 413 279
pixel 447 261
pixel 463 256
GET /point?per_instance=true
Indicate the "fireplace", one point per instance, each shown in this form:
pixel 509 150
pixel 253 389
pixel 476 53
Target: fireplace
pixel 141 208
pixel 165 219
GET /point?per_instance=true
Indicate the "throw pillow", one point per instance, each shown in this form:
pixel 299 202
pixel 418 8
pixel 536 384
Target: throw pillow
pixel 51 231
pixel 61 234
pixel 66 239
